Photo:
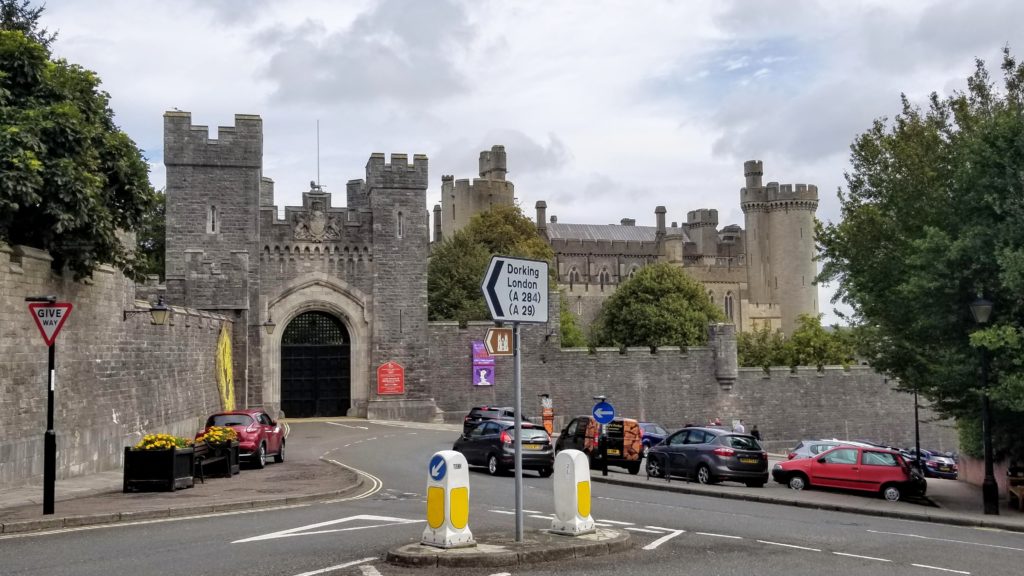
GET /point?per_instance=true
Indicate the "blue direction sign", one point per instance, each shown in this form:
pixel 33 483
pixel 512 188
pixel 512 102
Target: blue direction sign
pixel 603 412
pixel 437 468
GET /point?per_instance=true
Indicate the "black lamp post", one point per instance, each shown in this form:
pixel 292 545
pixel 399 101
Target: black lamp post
pixel 981 309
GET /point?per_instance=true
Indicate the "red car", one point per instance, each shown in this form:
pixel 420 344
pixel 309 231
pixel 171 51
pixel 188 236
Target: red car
pixel 854 468
pixel 258 434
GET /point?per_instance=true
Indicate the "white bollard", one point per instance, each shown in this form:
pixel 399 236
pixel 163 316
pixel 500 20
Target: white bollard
pixel 572 494
pixel 448 502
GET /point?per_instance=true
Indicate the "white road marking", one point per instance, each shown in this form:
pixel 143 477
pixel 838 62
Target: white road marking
pixel 644 530
pixel 502 574
pixel 616 522
pixel 375 486
pixel 937 568
pixel 531 511
pixel 347 425
pixel 502 511
pixel 338 567
pixel 859 556
pixel 144 522
pixel 663 539
pixel 602 525
pixel 369 570
pixel 549 517
pixel 789 545
pixel 660 528
pixel 310 529
pixel 719 535
pixel 947 540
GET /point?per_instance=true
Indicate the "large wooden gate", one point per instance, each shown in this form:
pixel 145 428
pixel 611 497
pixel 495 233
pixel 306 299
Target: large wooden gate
pixel 315 367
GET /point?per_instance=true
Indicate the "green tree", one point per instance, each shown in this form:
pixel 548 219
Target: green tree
pixel 762 347
pixel 572 336
pixel 458 265
pixel 70 181
pixel 660 306
pixel 20 16
pixel 931 219
pixel 812 345
pixel 151 240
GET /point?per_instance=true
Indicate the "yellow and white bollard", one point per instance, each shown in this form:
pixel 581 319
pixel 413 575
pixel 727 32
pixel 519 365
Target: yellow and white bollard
pixel 572 494
pixel 448 502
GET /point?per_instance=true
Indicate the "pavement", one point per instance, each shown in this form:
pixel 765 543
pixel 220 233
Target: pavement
pixel 304 477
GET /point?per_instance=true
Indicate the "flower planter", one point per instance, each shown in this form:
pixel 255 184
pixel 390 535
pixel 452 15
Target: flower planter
pixel 217 459
pixel 166 470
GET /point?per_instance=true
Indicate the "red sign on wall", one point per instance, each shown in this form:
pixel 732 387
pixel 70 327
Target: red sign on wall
pixel 390 379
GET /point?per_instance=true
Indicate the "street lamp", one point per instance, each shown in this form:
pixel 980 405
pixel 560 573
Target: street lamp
pixel 981 309
pixel 158 313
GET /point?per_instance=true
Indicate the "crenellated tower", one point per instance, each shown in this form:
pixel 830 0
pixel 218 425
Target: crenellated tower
pixel 462 199
pixel 780 244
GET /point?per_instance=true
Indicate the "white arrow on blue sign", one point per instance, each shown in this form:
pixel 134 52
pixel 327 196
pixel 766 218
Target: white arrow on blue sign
pixel 603 412
pixel 437 468
pixel 516 289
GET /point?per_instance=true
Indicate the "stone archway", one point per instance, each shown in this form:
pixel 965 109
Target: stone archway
pixel 315 366
pixel 319 292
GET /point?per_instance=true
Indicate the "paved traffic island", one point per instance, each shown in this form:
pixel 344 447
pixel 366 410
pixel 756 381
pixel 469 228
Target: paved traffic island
pixel 502 549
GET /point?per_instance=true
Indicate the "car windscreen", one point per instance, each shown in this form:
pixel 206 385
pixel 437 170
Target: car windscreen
pixel 487 414
pixel 533 434
pixel 742 442
pixel 229 420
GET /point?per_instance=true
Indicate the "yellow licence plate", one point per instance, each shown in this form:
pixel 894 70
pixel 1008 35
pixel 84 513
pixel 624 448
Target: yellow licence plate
pixel 613 452
pixel 749 460
pixel 531 446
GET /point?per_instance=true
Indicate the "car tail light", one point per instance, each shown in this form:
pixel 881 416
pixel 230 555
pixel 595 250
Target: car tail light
pixel 724 451
pixel 468 418
pixel 791 455
pixel 252 427
pixel 506 438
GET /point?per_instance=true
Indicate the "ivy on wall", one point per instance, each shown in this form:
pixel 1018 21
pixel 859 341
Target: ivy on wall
pixel 225 379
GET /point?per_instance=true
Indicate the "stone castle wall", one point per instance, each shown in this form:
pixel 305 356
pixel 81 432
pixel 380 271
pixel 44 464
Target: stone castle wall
pixel 676 387
pixel 115 380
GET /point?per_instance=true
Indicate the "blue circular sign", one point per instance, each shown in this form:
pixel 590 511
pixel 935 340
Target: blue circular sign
pixel 437 468
pixel 603 412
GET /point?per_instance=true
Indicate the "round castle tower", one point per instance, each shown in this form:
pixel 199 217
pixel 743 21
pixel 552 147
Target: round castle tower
pixel 780 244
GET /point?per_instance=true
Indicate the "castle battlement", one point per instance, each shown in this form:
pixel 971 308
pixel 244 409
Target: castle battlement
pixel 701 218
pixel 238 146
pixel 775 192
pixel 398 173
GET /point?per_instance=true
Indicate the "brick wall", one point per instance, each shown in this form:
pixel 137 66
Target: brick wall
pixel 115 380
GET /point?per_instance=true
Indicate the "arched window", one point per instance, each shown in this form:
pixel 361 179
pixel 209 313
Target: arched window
pixel 711 296
pixel 728 306
pixel 401 224
pixel 605 276
pixel 574 275
pixel 632 272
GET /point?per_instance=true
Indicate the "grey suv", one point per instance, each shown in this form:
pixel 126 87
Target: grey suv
pixel 710 455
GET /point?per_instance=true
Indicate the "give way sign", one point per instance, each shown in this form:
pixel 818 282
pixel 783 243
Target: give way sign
pixel 50 318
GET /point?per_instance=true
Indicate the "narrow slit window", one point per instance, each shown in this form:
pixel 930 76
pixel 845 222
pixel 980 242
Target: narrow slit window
pixel 212 224
pixel 401 224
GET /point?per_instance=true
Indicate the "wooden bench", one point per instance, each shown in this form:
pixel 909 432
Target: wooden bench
pixel 1015 487
pixel 224 461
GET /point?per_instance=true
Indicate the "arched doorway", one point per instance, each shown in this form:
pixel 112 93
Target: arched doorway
pixel 315 366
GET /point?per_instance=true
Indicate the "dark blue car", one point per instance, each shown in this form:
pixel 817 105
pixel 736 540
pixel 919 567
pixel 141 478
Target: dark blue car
pixel 651 435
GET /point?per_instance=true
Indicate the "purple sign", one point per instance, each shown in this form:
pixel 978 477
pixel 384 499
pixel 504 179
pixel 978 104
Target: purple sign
pixel 483 365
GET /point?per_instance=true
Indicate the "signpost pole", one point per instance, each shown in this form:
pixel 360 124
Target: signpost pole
pixel 517 384
pixel 50 440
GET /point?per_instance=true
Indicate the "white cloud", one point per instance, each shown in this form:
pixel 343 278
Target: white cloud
pixel 606 108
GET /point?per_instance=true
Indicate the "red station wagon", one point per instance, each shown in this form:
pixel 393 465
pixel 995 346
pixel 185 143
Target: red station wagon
pixel 853 468
pixel 258 434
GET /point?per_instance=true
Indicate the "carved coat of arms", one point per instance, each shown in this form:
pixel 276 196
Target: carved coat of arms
pixel 315 225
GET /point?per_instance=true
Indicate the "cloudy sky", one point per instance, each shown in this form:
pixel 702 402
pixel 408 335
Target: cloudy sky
pixel 607 109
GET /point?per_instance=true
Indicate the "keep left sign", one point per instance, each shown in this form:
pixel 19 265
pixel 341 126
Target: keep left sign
pixel 50 318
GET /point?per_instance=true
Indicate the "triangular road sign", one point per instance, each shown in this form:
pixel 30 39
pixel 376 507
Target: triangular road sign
pixel 50 318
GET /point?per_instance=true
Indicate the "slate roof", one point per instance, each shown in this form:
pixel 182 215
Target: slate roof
pixel 607 232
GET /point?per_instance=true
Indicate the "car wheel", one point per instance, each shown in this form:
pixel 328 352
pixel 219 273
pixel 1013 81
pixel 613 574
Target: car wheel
pixel 279 457
pixel 704 475
pixel 493 466
pixel 633 468
pixel 797 482
pixel 545 472
pixel 260 457
pixel 654 468
pixel 891 493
